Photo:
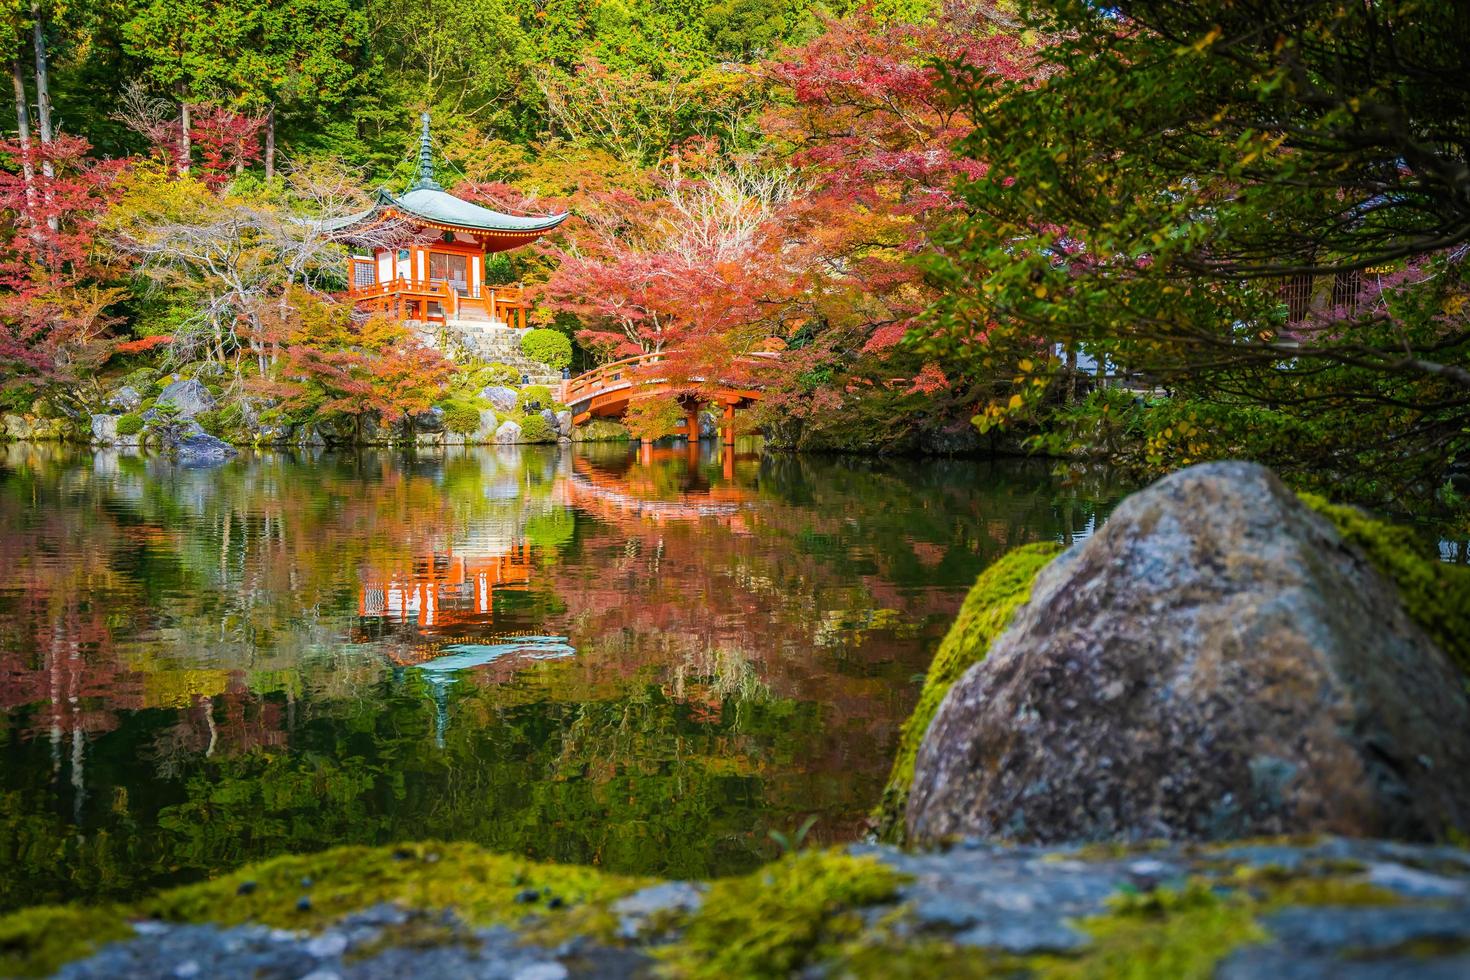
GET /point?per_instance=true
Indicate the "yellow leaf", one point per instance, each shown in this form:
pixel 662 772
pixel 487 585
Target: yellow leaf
pixel 1015 401
pixel 1025 365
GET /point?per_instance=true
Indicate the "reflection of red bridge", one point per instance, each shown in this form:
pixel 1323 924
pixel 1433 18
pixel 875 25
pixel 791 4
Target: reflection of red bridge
pixel 445 589
pixel 599 491
pixel 606 391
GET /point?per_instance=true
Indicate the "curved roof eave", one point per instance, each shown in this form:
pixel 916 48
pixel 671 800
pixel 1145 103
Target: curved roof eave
pixel 442 209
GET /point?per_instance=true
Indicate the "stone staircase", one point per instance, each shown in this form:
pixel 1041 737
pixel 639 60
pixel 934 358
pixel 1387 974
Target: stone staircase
pixel 491 340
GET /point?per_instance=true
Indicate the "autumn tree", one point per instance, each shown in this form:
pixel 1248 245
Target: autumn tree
pixel 233 253
pixel 54 298
pixel 871 131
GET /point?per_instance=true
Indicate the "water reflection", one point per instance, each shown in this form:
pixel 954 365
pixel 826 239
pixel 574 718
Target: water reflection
pixel 643 662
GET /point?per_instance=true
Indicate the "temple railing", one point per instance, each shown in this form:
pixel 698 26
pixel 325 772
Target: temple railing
pixel 410 299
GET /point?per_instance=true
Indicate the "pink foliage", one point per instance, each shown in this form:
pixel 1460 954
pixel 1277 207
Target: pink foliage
pixel 47 250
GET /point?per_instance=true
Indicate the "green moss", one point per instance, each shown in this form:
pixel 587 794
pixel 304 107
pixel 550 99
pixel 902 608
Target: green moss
pixel 601 430
pixel 480 886
pixel 987 610
pixel 35 942
pixel 1166 933
pixel 129 425
pixel 770 923
pixel 1436 595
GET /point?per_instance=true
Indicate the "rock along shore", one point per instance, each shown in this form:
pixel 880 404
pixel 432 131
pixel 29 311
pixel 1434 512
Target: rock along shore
pixel 1326 908
pixel 1223 660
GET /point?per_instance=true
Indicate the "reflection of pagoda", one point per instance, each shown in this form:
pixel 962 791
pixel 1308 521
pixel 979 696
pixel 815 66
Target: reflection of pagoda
pixel 444 593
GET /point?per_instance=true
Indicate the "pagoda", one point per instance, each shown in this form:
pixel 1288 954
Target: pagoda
pixel 441 275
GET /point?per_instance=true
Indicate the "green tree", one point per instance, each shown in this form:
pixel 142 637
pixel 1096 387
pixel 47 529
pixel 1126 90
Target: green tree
pixel 1259 206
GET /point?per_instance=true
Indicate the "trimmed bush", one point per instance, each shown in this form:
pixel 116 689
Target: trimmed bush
pixel 533 398
pixel 550 347
pixel 461 418
pixel 129 425
pixel 535 429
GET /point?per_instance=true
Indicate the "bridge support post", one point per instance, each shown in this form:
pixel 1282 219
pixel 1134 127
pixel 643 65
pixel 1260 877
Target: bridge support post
pixel 729 427
pixel 691 421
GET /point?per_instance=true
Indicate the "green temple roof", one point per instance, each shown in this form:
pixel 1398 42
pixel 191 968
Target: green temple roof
pixel 430 203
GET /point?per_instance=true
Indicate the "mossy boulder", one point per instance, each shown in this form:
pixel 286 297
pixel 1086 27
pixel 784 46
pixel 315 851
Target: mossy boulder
pixel 1216 662
pixel 601 430
pixel 1435 595
pixel 986 612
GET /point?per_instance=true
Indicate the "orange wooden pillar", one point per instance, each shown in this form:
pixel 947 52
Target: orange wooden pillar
pixel 730 424
pixel 691 421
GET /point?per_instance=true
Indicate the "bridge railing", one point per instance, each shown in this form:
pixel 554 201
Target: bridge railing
pixel 628 372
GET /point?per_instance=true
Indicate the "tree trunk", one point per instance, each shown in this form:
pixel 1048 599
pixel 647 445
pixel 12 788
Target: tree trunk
pixel 23 128
pixel 186 145
pixel 1071 375
pixel 270 141
pixel 43 107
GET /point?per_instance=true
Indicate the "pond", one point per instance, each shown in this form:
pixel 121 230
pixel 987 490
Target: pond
pixel 646 662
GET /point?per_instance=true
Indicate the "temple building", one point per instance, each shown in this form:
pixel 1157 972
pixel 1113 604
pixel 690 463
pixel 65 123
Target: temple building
pixel 440 277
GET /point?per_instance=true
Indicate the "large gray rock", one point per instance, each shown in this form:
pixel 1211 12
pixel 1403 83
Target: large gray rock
pixel 124 399
pixel 501 398
pixel 430 421
pixel 1214 663
pixel 564 423
pixel 202 449
pixel 552 422
pixel 485 433
pixel 104 429
pixel 509 433
pixel 189 396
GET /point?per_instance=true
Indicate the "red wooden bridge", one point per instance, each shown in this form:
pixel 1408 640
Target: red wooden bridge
pixel 605 392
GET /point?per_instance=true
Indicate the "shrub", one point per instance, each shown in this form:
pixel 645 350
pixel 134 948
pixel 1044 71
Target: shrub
pixel 550 347
pixel 212 422
pixel 535 429
pixel 533 398
pixel 461 418
pixel 129 425
pixel 144 381
pixel 498 374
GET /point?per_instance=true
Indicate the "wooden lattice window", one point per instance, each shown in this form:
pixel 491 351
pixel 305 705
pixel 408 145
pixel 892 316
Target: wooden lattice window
pixel 1347 291
pixel 364 272
pixel 1297 293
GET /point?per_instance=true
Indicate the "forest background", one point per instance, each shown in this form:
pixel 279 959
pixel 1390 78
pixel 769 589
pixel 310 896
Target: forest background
pixel 1139 234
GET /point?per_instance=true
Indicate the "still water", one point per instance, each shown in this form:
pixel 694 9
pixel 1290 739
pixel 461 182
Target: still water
pixel 643 663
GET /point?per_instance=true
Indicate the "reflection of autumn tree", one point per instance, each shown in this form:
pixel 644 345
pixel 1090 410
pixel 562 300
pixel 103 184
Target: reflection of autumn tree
pixel 188 683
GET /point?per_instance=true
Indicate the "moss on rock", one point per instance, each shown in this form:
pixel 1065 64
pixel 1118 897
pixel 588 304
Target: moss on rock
pixel 997 593
pixel 792 913
pixel 37 941
pixel 1435 595
pixel 601 430
pixel 312 891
